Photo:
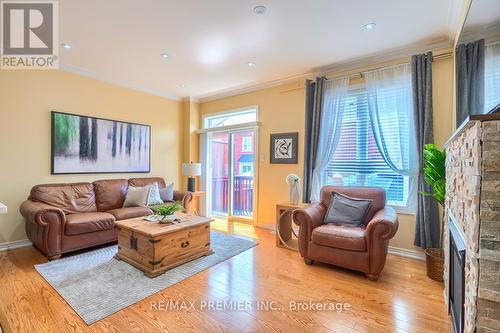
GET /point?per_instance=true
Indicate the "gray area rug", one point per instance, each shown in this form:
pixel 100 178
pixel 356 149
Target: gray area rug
pixel 95 285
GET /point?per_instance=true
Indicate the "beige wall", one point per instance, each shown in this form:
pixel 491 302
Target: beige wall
pixel 190 124
pixel 26 99
pixel 281 109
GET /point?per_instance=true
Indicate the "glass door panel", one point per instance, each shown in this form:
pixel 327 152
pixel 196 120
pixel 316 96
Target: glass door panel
pixel 218 168
pixel 242 158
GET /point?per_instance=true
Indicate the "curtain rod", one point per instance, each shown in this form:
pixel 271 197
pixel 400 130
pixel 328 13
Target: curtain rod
pixel 435 55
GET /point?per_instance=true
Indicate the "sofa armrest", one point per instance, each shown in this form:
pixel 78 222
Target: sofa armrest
pixel 41 214
pixel 44 227
pixel 383 225
pixel 308 218
pixel 184 197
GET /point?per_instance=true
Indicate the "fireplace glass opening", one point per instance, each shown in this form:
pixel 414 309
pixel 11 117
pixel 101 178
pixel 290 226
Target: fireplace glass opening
pixel 456 276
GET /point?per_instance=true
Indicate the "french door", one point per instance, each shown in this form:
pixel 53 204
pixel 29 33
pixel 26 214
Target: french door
pixel 231 172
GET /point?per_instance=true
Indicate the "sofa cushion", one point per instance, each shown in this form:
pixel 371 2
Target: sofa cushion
pixel 130 212
pixel 83 223
pixel 70 198
pixel 110 194
pixel 339 236
pixel 347 211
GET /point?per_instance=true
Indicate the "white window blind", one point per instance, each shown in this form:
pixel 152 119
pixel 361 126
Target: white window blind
pixel 492 76
pixel 357 160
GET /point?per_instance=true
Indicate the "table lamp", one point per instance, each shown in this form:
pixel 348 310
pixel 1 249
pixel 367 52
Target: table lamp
pixel 191 170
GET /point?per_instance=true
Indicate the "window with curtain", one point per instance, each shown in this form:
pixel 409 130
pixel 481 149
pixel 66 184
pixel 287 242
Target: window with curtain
pixel 357 161
pixel 492 76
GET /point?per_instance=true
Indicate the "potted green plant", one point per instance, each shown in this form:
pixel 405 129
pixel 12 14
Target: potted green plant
pixel 167 211
pixel 435 176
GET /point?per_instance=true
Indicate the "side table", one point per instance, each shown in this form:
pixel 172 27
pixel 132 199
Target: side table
pixel 193 205
pixel 286 234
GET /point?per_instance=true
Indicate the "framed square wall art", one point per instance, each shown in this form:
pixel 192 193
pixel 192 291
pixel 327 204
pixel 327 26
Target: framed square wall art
pixel 82 144
pixel 284 148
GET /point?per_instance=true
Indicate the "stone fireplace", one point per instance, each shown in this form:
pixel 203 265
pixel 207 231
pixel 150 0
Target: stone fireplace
pixel 472 225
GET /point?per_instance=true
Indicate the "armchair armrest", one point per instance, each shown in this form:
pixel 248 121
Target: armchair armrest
pixel 184 197
pixel 44 227
pixel 379 230
pixel 308 218
pixel 312 215
pixel 383 225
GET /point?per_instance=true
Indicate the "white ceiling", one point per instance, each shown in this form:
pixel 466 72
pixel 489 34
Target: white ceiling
pixel 210 42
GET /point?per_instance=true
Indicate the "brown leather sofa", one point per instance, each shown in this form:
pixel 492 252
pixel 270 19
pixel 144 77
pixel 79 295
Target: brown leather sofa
pixel 61 218
pixel 359 248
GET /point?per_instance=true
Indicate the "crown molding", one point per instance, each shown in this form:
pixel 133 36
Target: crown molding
pixel 438 46
pixel 121 83
pixel 248 88
pixel 190 99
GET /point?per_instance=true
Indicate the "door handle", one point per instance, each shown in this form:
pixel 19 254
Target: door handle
pixel 185 244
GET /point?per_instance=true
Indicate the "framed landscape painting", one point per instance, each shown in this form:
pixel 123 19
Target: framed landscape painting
pixel 82 144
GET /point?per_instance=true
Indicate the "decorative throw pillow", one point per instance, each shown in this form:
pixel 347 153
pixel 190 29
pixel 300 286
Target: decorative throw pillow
pixel 167 193
pixel 154 197
pixel 348 211
pixel 136 196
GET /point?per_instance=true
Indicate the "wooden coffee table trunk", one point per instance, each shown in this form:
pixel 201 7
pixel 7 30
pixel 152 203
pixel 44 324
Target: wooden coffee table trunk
pixel 155 248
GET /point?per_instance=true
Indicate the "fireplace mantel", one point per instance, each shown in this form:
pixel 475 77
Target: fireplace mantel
pixel 473 202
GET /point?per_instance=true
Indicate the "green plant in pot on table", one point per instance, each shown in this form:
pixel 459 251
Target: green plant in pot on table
pixel 435 176
pixel 167 211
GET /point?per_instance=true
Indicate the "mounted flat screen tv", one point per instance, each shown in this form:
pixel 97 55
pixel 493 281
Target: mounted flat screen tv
pixel 82 144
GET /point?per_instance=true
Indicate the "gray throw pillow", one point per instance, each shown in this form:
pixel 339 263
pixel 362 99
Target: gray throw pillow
pixel 136 196
pixel 167 193
pixel 347 211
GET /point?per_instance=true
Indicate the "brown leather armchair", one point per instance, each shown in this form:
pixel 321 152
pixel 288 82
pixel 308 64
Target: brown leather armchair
pixel 359 248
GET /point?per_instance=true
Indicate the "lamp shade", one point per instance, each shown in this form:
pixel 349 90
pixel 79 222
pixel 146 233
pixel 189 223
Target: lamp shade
pixel 191 169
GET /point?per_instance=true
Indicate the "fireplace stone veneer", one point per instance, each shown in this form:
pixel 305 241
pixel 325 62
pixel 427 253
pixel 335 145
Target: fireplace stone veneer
pixel 473 202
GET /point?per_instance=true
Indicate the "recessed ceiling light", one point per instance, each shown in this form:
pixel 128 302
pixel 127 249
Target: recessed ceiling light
pixel 182 85
pixel 251 64
pixel 259 10
pixel 66 46
pixel 164 55
pixel 369 26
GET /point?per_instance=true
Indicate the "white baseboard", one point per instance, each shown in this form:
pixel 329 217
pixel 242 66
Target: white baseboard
pixel 271 227
pixel 14 245
pixel 406 253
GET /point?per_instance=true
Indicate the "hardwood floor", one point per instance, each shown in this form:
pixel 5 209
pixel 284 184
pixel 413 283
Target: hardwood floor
pixel 402 300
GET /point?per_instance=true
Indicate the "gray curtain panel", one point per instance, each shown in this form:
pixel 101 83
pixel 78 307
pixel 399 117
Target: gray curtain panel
pixel 427 226
pixel 314 110
pixel 470 79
